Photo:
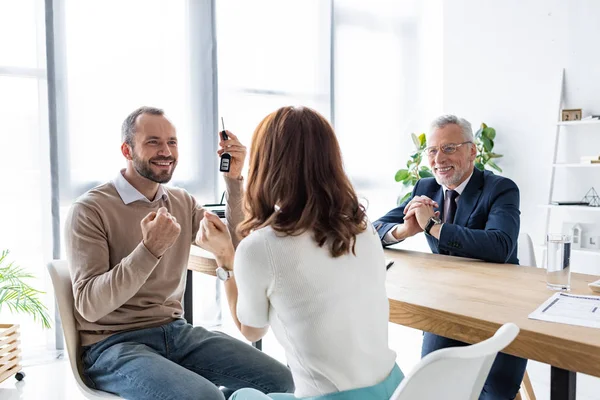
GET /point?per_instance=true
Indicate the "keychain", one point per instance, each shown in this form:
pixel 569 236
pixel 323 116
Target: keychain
pixel 225 157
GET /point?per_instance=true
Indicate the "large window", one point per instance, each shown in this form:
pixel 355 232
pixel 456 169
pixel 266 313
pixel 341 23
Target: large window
pixel 114 56
pixel 388 73
pixel 271 53
pixel 143 59
pixel 25 190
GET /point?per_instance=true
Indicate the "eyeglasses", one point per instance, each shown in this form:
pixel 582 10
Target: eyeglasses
pixel 448 148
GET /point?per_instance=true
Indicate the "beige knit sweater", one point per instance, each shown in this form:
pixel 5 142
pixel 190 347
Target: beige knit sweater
pixel 118 284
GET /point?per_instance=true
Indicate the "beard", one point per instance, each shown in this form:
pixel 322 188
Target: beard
pixel 144 168
pixel 453 180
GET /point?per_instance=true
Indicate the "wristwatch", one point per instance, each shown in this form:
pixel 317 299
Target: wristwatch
pixel 224 274
pixel 432 221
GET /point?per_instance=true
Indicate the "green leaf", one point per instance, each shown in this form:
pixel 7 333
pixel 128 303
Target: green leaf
pixel 494 155
pixel 404 198
pixel 490 133
pixel 483 125
pixel 422 141
pixel 488 144
pixel 478 133
pixel 479 166
pixel 401 175
pixel 425 174
pixel 17 295
pixel 416 141
pixel 493 165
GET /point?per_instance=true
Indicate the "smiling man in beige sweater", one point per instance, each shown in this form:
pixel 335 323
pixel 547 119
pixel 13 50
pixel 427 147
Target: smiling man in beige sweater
pixel 128 243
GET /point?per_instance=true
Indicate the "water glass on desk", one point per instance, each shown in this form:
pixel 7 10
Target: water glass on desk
pixel 558 261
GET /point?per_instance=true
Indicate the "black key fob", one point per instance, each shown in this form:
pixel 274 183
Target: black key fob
pixel 225 164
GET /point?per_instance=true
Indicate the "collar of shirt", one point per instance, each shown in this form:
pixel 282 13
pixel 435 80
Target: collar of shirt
pixel 460 188
pixel 129 194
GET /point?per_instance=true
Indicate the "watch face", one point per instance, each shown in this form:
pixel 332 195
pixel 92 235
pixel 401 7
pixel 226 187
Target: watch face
pixel 222 274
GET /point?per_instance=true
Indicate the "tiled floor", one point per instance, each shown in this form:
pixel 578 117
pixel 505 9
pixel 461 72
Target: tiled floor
pixel 48 375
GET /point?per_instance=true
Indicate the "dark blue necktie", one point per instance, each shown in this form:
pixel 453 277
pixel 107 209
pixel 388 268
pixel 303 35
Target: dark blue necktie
pixel 450 206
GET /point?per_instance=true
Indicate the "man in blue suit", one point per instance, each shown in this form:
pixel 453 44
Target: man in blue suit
pixel 464 212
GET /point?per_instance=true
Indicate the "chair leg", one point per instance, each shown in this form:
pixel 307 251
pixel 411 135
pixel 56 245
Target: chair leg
pixel 526 391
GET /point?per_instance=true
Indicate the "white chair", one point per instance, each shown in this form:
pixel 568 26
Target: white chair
pixel 63 290
pixel 526 254
pixel 456 373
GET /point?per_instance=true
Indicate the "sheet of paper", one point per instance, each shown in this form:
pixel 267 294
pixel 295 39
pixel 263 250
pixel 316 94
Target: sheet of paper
pixel 570 309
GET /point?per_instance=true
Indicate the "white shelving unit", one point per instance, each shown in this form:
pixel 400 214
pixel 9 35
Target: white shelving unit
pixel 568 165
pixel 575 251
pixel 576 208
pixel 563 127
pixel 582 122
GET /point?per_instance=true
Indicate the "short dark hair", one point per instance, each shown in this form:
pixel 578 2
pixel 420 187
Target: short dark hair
pixel 128 127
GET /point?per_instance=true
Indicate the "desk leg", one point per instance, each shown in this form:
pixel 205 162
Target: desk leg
pixel 258 344
pixel 562 384
pixel 188 301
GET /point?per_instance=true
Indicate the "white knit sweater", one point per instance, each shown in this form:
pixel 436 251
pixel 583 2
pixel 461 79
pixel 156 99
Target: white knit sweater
pixel 329 314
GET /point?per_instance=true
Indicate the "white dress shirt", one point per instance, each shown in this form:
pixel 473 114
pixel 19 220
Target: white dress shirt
pixel 129 194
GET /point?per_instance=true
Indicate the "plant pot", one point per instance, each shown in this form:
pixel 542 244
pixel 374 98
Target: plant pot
pixel 10 352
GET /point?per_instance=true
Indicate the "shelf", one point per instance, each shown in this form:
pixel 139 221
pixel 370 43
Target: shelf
pixel 577 208
pixel 574 250
pixel 576 165
pixel 582 122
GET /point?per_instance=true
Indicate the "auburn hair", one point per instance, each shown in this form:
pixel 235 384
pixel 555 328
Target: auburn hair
pixel 297 183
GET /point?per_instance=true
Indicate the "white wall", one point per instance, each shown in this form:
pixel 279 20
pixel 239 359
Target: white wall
pixel 502 63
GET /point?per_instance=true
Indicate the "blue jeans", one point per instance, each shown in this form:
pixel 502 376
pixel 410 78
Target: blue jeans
pixel 505 377
pixel 381 391
pixel 179 361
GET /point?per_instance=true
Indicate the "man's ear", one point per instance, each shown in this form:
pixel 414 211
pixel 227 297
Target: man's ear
pixel 127 151
pixel 473 152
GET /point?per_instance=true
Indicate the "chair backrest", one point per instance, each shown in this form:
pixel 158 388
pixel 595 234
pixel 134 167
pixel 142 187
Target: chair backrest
pixel 526 253
pixel 456 373
pixel 63 291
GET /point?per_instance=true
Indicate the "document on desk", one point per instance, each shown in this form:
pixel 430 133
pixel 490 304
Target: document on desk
pixel 570 309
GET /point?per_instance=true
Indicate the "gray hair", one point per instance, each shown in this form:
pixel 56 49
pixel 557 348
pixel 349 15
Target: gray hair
pixel 128 127
pixel 465 126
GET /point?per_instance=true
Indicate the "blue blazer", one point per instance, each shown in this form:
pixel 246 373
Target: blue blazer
pixel 486 224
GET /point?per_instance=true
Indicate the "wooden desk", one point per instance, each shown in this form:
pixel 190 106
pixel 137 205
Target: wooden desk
pixel 468 300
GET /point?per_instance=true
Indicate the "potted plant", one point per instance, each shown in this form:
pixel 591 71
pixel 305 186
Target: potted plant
pixel 484 142
pixel 18 297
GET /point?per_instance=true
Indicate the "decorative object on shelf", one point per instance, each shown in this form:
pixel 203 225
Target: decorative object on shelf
pixel 592 198
pixel 586 236
pixel 569 203
pixel 576 233
pixel 593 242
pixel 484 142
pixel 571 114
pixel 589 159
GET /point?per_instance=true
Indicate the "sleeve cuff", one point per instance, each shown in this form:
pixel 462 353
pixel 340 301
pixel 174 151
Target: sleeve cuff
pixel 142 258
pixel 388 238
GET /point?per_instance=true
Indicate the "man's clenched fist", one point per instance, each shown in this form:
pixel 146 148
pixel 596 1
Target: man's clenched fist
pixel 160 230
